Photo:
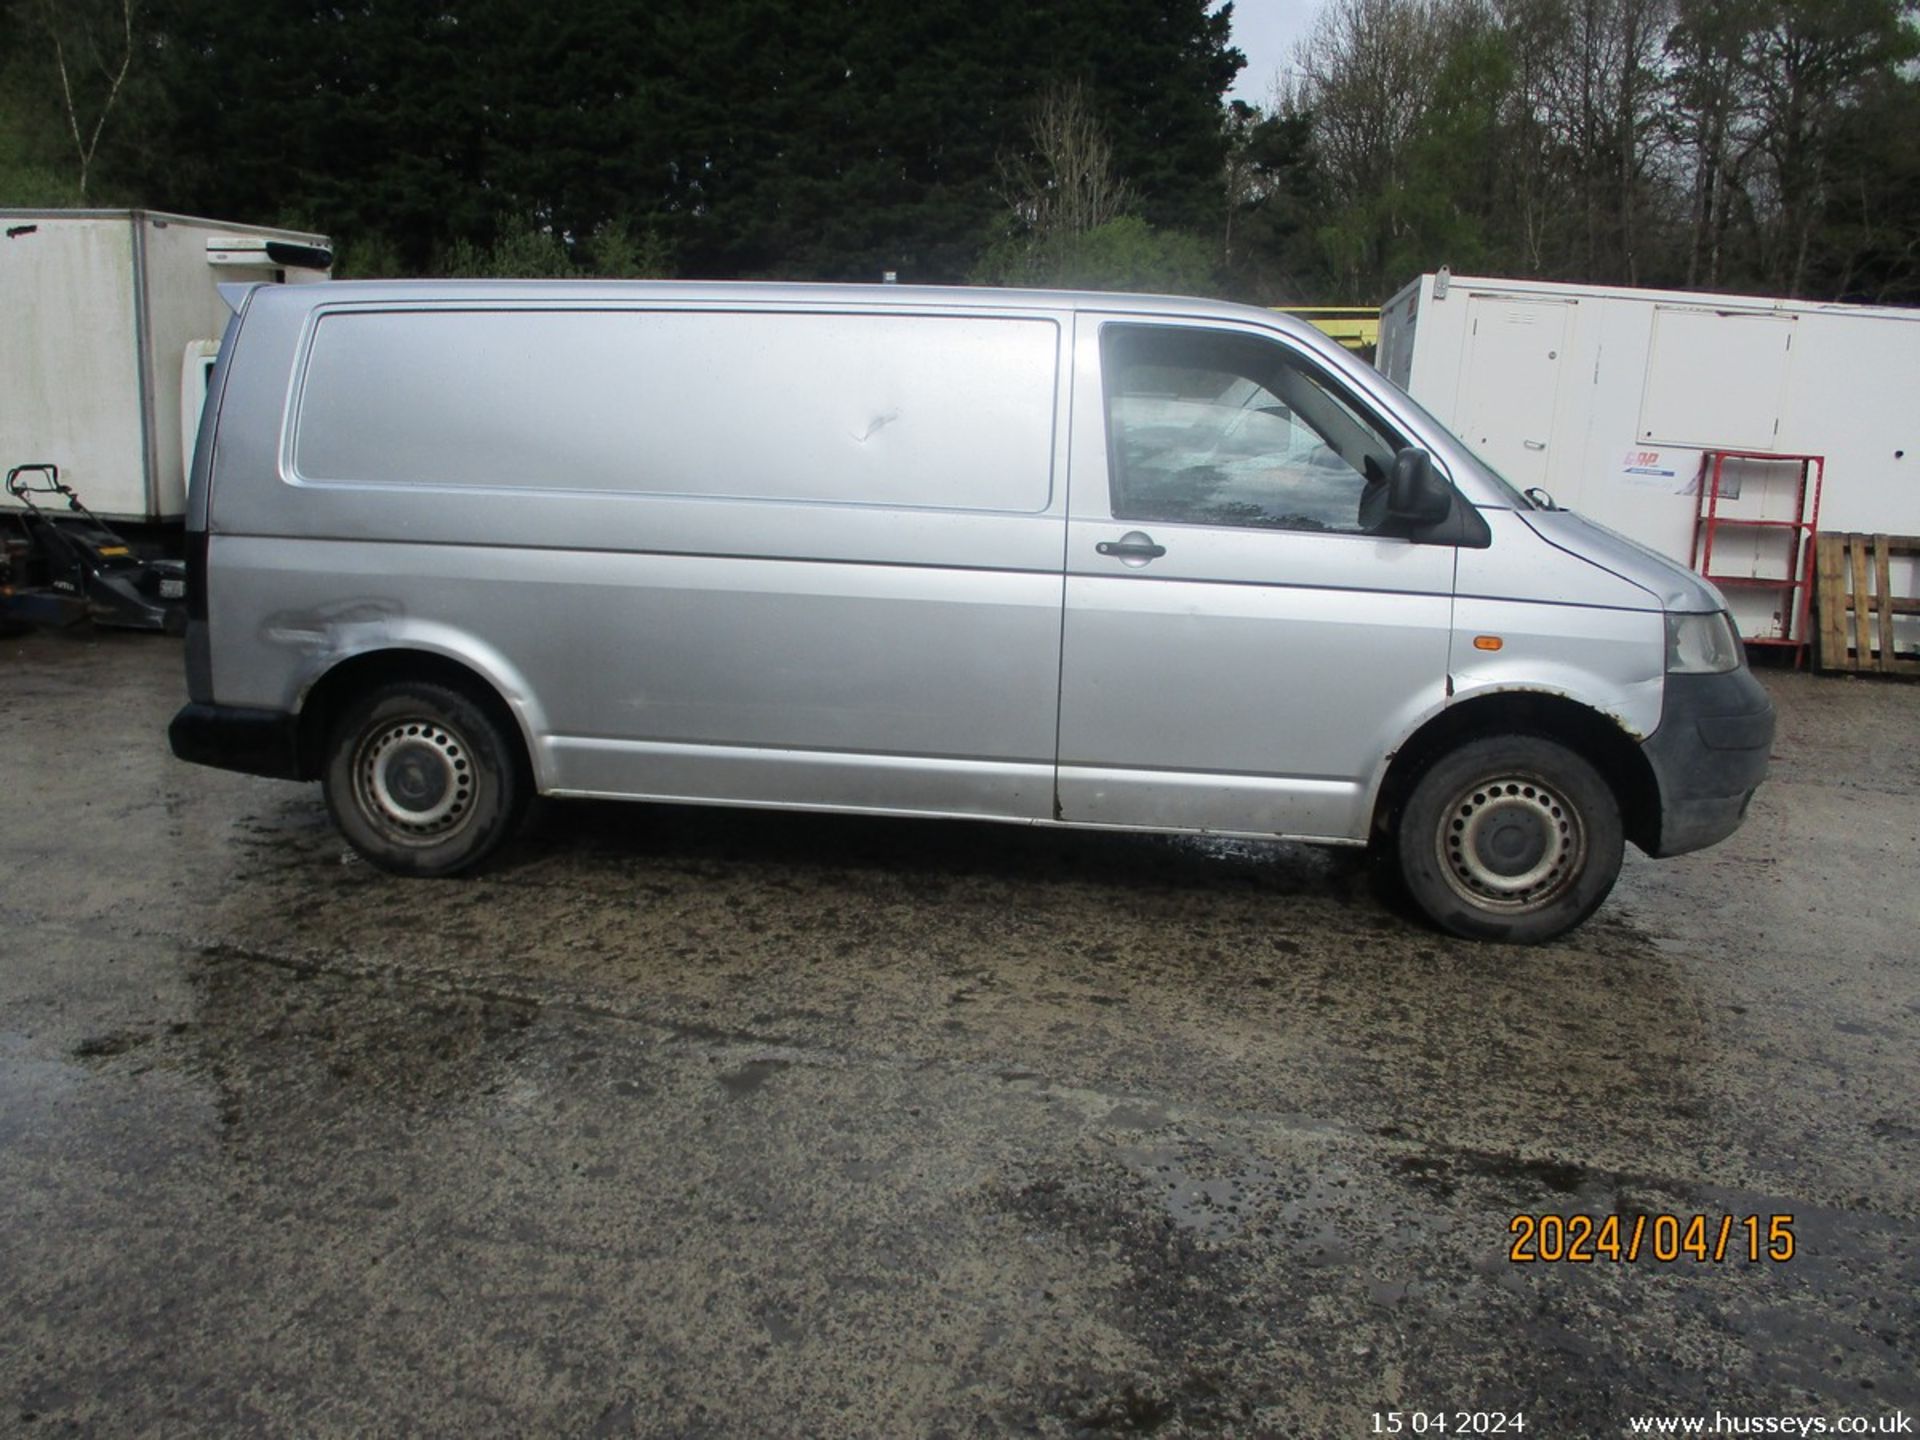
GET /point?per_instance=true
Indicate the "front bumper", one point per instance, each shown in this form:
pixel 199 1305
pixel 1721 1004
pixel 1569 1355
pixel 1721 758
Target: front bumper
pixel 1708 756
pixel 234 737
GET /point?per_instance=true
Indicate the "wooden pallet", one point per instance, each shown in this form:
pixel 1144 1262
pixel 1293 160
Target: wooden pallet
pixel 1857 604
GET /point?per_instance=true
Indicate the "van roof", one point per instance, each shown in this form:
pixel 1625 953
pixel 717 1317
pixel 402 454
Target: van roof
pixel 782 294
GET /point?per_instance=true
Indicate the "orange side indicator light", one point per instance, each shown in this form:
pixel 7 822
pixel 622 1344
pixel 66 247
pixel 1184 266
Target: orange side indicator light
pixel 1487 642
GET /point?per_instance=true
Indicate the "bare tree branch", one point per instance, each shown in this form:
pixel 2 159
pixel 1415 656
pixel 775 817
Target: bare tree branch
pixel 85 148
pixel 1065 186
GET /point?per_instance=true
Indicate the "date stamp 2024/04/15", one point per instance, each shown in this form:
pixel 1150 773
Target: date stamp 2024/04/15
pixel 1587 1239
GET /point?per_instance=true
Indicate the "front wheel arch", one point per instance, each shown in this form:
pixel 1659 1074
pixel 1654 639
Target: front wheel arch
pixel 1598 739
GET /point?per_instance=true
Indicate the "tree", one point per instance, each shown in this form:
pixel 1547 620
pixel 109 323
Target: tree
pixel 1867 244
pixel 32 145
pixel 1122 254
pixel 1811 63
pixel 1456 193
pixel 1589 107
pixel 1064 184
pixel 1409 103
pixel 525 249
pixel 70 61
pixel 752 137
pixel 1274 195
pixel 1365 79
pixel 1710 116
pixel 1156 71
pixel 1751 143
pixel 1067 212
pixel 1787 117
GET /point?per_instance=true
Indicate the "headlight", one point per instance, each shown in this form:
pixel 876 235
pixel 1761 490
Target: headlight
pixel 1702 644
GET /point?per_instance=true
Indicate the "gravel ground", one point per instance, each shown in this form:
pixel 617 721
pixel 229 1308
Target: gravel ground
pixel 709 1122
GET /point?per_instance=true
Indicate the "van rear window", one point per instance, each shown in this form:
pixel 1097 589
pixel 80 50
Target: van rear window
pixel 943 412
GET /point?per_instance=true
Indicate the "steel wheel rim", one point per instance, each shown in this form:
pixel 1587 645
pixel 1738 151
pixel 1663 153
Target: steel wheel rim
pixel 414 781
pixel 1511 843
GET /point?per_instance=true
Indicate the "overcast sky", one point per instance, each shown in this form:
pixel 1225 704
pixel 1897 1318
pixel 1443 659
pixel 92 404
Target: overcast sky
pixel 1265 31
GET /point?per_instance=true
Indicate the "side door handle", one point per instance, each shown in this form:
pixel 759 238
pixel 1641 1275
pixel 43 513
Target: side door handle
pixel 1136 547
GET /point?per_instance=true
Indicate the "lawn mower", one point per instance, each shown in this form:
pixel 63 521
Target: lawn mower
pixel 58 567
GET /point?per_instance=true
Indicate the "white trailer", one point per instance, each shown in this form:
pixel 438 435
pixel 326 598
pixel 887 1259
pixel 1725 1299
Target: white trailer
pixel 110 321
pixel 1608 397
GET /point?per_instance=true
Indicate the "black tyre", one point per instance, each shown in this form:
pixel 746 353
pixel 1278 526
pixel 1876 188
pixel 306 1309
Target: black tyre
pixel 422 781
pixel 1514 838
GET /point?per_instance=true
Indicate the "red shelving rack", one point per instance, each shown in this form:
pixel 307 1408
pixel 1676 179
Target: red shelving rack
pixel 1796 588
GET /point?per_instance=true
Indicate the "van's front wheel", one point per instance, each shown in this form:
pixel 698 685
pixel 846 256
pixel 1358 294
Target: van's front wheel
pixel 1512 838
pixel 421 780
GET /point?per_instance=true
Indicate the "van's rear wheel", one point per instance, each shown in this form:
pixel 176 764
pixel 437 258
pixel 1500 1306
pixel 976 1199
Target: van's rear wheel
pixel 1513 838
pixel 421 780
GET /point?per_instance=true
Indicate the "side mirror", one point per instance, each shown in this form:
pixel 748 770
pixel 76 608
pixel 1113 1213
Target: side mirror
pixel 1412 496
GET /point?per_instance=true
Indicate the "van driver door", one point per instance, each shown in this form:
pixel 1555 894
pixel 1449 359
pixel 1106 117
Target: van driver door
pixel 1237 654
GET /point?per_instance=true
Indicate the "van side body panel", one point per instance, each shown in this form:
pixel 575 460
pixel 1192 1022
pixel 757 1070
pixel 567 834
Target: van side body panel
pixel 678 676
pixel 701 646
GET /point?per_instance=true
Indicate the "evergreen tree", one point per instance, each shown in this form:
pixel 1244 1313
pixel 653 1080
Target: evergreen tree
pixel 754 137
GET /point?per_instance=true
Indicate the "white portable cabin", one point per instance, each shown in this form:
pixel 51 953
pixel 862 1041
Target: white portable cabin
pixel 1607 398
pixel 110 322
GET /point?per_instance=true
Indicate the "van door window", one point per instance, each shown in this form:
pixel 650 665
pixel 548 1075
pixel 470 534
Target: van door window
pixel 1205 427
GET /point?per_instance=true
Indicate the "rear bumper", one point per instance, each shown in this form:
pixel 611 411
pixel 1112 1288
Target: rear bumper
pixel 1708 756
pixel 233 737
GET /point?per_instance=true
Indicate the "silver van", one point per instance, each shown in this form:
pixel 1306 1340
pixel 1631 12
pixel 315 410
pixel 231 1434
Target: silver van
pixel 1114 561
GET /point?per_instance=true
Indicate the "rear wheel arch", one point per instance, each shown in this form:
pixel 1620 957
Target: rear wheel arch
pixel 342 686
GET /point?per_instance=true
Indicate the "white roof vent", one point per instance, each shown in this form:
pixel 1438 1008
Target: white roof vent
pixel 259 252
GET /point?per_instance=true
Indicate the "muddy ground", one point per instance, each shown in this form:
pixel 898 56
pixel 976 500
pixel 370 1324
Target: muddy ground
pixel 686 1122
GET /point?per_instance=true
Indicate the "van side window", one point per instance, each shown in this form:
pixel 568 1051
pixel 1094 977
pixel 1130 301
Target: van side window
pixel 1205 427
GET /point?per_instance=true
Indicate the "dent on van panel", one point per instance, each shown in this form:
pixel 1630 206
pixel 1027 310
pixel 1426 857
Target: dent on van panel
pixel 1611 661
pixel 317 629
pixel 294 635
pixel 878 421
pixel 945 412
